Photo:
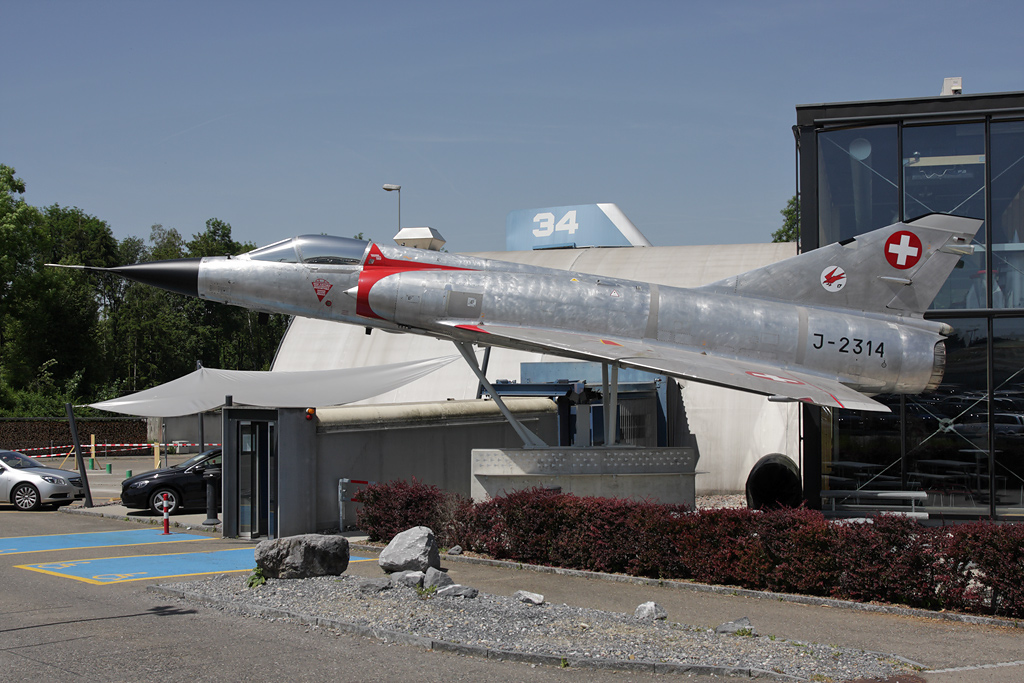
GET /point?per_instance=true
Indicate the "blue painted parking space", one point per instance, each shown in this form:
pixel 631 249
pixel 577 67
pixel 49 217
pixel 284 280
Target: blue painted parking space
pixel 109 570
pixel 103 539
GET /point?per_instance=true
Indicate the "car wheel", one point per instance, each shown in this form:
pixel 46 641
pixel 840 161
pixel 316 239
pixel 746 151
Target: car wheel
pixel 156 501
pixel 25 497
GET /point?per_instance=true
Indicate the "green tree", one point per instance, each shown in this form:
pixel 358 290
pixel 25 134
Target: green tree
pixel 20 232
pixel 790 230
pixel 214 241
pixel 147 331
pixel 167 244
pixel 49 319
pixel 76 237
pixel 76 336
pixel 55 319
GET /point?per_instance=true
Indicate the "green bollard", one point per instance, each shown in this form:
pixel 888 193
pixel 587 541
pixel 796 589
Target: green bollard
pixel 127 474
pixel 110 468
pixel 92 463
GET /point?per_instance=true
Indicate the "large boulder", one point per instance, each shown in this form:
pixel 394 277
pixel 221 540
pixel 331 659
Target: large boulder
pixel 299 557
pixel 412 550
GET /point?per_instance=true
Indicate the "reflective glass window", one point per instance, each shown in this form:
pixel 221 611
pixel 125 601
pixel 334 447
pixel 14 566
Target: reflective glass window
pixel 865 453
pixel 1007 190
pixel 946 429
pixel 944 172
pixel 858 174
pixel 331 250
pixel 282 252
pixel 945 454
pixel 1008 408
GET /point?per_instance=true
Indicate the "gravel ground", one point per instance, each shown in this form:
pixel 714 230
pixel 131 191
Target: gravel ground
pixel 723 500
pixel 583 637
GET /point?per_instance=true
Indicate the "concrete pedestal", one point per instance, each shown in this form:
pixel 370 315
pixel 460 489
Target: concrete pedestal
pixel 664 475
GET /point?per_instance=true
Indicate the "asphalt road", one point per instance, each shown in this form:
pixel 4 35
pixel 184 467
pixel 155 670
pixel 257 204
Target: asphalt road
pixel 58 629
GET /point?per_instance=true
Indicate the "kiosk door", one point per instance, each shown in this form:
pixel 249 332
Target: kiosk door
pixel 257 478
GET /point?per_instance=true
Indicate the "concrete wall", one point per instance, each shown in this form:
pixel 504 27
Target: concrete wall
pixel 431 442
pixel 297 457
pixel 733 430
pixel 186 428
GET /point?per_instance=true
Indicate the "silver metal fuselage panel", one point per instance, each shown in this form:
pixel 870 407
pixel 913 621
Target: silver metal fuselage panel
pixel 445 295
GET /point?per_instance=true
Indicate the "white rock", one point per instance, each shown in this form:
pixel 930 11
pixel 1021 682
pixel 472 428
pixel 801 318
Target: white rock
pixel 412 550
pixel 650 611
pixel 529 598
pixel 457 590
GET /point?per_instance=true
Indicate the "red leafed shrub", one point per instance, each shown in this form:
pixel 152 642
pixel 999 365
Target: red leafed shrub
pixel 973 567
pixel 614 535
pixel 802 548
pixel 520 525
pixel 720 546
pixel 893 559
pixel 648 540
pixel 600 534
pixel 985 568
pixel 395 506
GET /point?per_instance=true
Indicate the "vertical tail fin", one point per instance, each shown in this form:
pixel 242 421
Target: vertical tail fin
pixel 896 269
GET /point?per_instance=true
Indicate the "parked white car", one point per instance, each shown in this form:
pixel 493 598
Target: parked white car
pixel 1007 425
pixel 30 485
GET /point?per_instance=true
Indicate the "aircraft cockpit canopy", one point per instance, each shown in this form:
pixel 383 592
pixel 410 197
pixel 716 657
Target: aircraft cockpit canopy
pixel 320 249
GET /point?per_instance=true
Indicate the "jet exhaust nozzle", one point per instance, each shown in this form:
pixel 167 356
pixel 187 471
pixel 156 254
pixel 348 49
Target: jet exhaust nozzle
pixel 179 275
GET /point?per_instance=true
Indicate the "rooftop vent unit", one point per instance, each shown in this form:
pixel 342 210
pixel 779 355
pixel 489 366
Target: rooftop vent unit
pixel 420 238
pixel 952 86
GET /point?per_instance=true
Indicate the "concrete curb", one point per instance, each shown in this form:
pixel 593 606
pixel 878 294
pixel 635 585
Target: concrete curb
pixel 400 637
pixel 730 590
pixel 149 521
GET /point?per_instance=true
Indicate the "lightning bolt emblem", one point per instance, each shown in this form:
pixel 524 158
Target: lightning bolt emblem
pixel 833 278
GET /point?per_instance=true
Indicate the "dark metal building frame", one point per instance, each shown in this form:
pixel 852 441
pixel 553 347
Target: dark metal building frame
pixel 815 119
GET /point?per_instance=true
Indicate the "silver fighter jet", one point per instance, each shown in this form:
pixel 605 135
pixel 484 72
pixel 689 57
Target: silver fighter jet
pixel 829 327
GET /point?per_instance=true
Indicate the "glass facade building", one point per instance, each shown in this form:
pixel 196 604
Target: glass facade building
pixel 866 165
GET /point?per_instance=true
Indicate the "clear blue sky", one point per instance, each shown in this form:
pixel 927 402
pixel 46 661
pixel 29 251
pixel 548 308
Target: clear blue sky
pixel 286 118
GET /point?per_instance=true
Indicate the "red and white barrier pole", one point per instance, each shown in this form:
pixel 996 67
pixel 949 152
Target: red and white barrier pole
pixel 167 516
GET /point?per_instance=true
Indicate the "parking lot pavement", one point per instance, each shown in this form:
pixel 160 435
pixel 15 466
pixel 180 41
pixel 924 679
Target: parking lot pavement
pixel 54 628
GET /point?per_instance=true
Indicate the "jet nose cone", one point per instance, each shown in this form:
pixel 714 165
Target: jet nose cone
pixel 180 275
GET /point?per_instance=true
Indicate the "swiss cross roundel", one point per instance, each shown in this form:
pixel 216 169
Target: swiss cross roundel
pixel 903 249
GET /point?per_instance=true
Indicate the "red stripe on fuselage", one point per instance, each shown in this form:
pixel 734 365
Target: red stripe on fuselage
pixel 376 268
pixel 473 328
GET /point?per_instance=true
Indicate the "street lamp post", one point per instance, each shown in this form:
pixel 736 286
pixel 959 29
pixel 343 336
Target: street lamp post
pixel 398 189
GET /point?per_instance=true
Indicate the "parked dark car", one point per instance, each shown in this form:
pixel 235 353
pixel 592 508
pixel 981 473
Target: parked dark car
pixel 183 484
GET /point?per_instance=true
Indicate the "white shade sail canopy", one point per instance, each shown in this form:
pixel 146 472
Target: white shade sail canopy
pixel 206 388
